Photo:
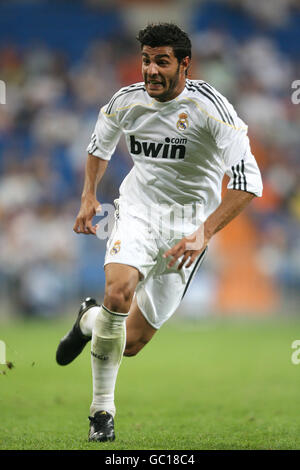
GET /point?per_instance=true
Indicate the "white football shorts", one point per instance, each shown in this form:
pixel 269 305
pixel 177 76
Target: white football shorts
pixel 160 290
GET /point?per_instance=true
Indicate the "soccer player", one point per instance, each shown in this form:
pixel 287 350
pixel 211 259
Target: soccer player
pixel 183 136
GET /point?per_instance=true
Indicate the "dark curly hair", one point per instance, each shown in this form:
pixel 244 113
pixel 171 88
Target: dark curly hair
pixel 166 34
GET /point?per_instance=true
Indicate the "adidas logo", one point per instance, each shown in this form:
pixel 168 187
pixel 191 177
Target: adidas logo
pixel 172 148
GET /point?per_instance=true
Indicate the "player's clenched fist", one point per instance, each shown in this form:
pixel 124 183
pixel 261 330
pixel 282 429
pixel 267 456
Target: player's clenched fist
pixel 89 208
pixel 189 247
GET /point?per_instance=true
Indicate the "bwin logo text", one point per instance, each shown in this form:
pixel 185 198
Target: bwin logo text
pixel 153 150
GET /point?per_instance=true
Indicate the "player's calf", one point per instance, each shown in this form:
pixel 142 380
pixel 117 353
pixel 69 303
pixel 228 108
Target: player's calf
pixel 108 343
pixel 132 349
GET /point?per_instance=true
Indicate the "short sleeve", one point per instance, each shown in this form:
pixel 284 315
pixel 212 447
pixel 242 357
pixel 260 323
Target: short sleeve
pixel 234 147
pixel 106 135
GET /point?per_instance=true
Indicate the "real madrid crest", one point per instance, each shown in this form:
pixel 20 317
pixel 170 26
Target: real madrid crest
pixel 116 248
pixel 182 122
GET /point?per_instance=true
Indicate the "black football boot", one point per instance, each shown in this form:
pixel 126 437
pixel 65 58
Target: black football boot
pixel 73 342
pixel 101 427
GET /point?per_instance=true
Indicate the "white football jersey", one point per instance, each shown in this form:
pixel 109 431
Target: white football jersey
pixel 181 149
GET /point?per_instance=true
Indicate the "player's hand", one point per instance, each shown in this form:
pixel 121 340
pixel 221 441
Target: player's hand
pixel 89 208
pixel 189 248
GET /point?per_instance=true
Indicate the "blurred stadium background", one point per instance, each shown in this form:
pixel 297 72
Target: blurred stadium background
pixel 61 61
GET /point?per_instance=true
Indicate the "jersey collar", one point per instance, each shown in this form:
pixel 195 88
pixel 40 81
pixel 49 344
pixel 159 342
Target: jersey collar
pixel 159 104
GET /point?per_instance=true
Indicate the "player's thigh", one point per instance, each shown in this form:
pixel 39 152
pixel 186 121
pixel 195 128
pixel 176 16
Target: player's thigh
pixel 120 283
pixel 138 330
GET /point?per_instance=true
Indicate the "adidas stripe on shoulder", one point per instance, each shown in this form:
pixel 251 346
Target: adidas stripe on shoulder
pixel 210 94
pixel 115 100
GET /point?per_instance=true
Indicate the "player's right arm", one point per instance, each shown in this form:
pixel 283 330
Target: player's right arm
pixel 94 170
pixel 100 149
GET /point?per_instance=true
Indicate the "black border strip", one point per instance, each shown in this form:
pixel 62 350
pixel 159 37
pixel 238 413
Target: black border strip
pixel 234 177
pixel 195 269
pixel 244 175
pixel 122 315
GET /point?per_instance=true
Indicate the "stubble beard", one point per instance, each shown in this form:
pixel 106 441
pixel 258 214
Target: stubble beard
pixel 173 83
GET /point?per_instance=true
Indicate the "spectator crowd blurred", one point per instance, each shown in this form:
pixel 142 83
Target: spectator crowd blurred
pixel 52 103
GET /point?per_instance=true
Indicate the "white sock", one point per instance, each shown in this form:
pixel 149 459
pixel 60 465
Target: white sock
pixel 108 344
pixel 88 319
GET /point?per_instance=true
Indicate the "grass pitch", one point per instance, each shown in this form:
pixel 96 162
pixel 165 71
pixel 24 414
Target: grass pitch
pixel 206 385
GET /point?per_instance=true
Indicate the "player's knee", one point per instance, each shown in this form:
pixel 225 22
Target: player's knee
pixel 118 297
pixel 115 301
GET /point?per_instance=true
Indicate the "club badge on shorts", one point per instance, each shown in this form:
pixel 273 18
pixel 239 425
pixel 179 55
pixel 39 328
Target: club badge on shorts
pixel 116 248
pixel 182 122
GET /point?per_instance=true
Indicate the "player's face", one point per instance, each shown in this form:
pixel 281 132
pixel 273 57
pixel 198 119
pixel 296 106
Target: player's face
pixel 164 77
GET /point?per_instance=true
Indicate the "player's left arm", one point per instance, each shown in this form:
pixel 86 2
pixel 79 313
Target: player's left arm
pixel 233 202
